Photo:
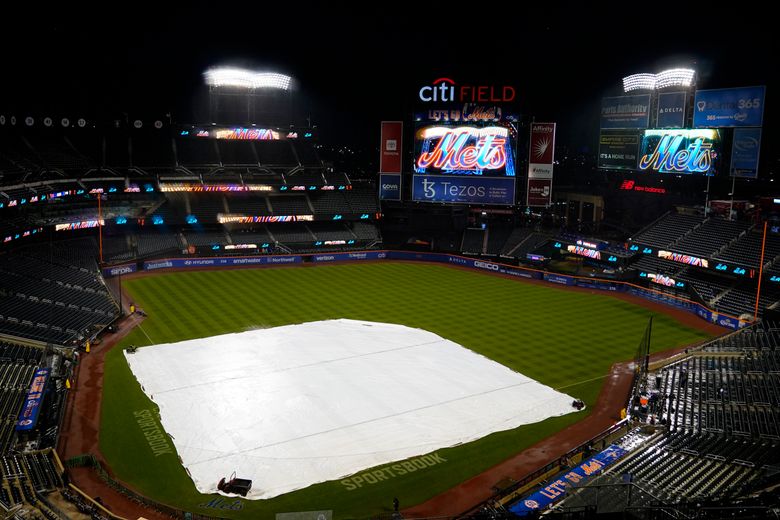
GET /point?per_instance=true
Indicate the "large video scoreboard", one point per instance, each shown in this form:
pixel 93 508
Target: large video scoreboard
pixel 465 144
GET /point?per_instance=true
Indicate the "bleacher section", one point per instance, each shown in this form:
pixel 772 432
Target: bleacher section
pixel 708 287
pixel 473 240
pixel 529 244
pixel 291 234
pixel 206 208
pixel 249 205
pixel 203 239
pixel 17 364
pixel 196 153
pixel 722 395
pixel 275 153
pixel 365 231
pixel 24 478
pixel 151 243
pixel 654 264
pixel 747 250
pixel 515 238
pixel 739 300
pixel 45 301
pixel 674 471
pixel 290 205
pixel 710 237
pixel 497 237
pixel 668 229
pixel 714 435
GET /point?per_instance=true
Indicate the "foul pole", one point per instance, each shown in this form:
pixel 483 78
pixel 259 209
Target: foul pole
pixel 760 273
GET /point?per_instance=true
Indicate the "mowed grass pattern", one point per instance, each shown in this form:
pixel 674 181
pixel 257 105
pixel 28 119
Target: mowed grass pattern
pixel 565 339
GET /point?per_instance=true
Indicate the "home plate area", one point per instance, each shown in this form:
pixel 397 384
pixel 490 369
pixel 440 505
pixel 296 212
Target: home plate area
pixel 291 406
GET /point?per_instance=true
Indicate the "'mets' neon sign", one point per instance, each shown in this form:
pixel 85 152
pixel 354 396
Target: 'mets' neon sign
pixel 464 148
pixel 678 151
pixel 444 90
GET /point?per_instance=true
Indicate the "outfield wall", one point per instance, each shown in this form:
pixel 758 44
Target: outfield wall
pixel 700 310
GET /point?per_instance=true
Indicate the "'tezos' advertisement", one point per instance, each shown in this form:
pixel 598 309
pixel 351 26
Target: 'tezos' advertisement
pixel 464 190
pixel 390 147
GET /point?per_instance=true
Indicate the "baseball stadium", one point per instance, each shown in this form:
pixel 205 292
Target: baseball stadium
pixel 217 313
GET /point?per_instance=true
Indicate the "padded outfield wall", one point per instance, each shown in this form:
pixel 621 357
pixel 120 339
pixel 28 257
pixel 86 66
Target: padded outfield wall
pixel 696 308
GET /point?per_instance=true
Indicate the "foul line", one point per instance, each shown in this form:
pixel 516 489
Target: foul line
pixel 151 341
pixel 580 382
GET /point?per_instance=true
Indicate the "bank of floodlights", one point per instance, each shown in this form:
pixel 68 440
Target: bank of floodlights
pixel 243 78
pixel 667 78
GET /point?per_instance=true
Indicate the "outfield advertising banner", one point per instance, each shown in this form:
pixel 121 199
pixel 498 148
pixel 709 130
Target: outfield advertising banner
pixel 671 109
pixel 618 149
pixel 745 152
pixel 559 484
pixel 680 151
pixel 31 408
pixel 464 190
pixel 729 107
pixel 625 111
pixel 559 279
pixel 306 515
pixel 177 263
pixel 491 266
pixel 339 257
pixel 117 270
pixel 595 284
pixel 541 152
pixel 539 192
pixel 389 186
pixel 390 150
pixel 424 257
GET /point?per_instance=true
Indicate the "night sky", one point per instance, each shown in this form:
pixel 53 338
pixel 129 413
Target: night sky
pixel 356 67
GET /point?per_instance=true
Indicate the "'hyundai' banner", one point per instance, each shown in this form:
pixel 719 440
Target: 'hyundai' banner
pixel 559 484
pixel 390 147
pixel 745 151
pixel 465 190
pixel 31 408
pixel 390 186
pixel 729 107
pixel 671 110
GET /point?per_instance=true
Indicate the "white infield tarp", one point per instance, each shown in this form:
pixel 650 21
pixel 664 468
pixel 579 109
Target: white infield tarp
pixel 292 406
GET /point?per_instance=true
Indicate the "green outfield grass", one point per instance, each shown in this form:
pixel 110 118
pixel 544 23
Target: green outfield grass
pixel 565 339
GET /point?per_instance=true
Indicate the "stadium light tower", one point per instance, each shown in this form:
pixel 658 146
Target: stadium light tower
pixel 679 77
pixel 246 79
pixel 244 96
